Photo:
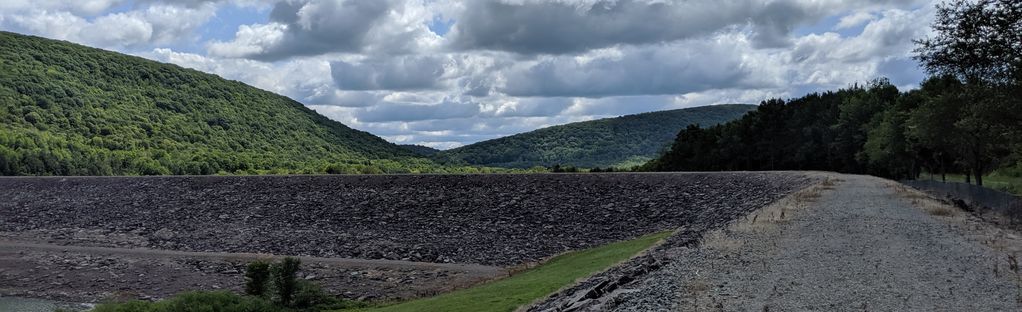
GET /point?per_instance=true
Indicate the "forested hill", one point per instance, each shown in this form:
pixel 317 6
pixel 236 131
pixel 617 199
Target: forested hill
pixel 420 149
pixel 68 109
pixel 622 141
pixel 944 126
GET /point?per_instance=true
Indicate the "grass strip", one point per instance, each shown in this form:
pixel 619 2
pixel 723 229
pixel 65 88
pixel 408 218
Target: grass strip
pixel 510 293
pixel 1000 182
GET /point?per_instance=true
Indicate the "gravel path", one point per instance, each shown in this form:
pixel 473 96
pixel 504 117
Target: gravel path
pixel 863 244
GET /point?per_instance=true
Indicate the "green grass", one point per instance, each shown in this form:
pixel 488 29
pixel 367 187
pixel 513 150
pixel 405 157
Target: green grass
pixel 224 301
pixel 510 293
pixel 996 180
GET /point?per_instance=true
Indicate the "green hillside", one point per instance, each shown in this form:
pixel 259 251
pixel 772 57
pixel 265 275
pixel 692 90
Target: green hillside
pixel 420 149
pixel 66 109
pixel 622 141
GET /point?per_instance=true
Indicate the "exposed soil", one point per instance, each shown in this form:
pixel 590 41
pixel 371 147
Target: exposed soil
pixel 414 223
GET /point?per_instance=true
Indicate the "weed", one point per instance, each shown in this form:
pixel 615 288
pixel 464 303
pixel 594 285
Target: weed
pixel 1013 266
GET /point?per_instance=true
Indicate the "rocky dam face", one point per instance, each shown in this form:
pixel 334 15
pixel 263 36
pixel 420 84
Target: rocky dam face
pixel 442 227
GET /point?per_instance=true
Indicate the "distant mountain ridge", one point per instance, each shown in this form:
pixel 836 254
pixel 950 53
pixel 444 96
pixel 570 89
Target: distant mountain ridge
pixel 622 141
pixel 68 109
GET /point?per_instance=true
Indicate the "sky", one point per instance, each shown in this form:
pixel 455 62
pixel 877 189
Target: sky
pixel 445 73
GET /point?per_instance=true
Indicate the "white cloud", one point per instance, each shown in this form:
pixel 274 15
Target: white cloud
pixel 250 40
pixel 854 20
pixel 313 27
pixel 82 7
pixel 116 30
pixel 155 24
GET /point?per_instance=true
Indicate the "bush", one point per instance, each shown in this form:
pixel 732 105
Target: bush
pixel 310 294
pixel 261 280
pixel 256 276
pixel 219 301
pixel 284 280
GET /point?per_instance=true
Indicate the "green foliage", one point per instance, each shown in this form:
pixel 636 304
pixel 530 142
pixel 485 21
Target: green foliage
pixel 219 301
pixel 872 129
pixel 598 143
pixel 67 109
pixel 309 298
pixel 420 150
pixel 284 279
pixel 565 169
pixel 975 41
pixel 289 294
pixel 975 47
pixel 256 277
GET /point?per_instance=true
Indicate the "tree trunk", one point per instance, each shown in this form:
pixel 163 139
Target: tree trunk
pixel 979 176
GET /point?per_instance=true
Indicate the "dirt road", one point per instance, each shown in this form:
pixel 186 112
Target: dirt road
pixel 854 244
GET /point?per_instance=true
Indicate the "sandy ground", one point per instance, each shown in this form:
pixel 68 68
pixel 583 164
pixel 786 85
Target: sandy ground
pixel 854 243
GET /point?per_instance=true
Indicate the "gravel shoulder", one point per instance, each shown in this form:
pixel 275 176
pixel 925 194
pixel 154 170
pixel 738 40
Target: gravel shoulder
pixel 851 244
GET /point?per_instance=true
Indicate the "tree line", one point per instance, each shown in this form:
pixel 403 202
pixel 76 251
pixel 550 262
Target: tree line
pixel 965 118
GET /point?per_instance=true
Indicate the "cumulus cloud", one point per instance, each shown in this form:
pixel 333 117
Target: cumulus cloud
pixel 532 107
pixel 396 73
pixel 314 27
pixel 683 67
pixel 156 24
pixel 305 28
pixel 854 20
pixel 575 26
pixel 82 7
pixel 391 111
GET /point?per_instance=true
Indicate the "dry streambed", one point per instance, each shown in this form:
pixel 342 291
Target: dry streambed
pixel 487 220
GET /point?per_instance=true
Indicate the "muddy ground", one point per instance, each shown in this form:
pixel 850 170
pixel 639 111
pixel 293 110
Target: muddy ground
pixel 480 224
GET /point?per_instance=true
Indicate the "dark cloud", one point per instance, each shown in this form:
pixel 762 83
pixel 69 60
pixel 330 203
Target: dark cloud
pixel 691 67
pixel 312 27
pixel 534 107
pixel 773 26
pixel 564 27
pixel 625 105
pixel 390 111
pixel 396 73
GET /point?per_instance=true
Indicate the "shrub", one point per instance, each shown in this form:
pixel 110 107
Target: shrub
pixel 284 280
pixel 310 294
pixel 256 276
pixel 220 301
